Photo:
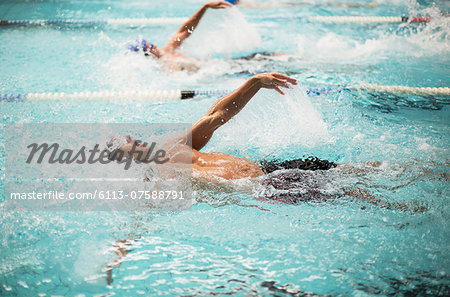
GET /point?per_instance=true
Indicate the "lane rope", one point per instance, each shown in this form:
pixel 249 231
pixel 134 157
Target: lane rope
pixel 174 95
pixel 123 21
pixel 368 19
pixel 180 20
pixel 424 91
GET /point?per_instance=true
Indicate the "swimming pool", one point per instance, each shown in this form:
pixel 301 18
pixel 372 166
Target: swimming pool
pixel 231 242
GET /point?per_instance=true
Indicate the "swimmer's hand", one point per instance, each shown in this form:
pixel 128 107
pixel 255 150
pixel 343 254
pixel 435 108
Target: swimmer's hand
pixel 218 4
pixel 274 81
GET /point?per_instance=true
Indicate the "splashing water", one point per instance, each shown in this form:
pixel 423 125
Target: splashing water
pixel 222 32
pixel 408 40
pixel 272 123
pixel 131 70
pixel 341 247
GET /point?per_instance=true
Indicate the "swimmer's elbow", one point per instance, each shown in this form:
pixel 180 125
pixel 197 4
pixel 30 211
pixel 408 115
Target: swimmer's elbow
pixel 218 118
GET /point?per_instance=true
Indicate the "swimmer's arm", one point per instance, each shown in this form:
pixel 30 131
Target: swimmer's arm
pixel 228 106
pixel 189 26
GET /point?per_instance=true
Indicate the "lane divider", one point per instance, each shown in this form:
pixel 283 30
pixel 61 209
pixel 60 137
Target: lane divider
pixel 368 19
pixel 174 95
pixel 437 91
pixel 125 21
pixel 180 20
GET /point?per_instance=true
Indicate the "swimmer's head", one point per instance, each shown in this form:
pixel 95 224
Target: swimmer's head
pixel 234 2
pixel 145 46
pixel 120 147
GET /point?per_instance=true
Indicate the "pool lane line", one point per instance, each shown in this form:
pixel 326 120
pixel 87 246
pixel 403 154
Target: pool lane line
pixel 164 21
pixel 123 21
pixel 368 19
pixel 175 95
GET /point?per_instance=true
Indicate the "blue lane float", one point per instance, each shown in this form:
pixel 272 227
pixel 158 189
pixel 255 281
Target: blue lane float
pixel 94 22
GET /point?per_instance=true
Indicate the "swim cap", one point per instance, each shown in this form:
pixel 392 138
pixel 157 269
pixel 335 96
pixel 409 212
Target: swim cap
pixel 232 1
pixel 142 44
pixel 114 144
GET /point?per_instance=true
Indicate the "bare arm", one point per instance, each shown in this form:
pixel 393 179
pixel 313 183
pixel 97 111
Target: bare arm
pixel 189 26
pixel 228 106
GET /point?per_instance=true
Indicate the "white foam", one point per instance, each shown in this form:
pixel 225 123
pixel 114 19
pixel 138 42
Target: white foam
pixel 271 122
pixel 133 70
pixel 428 40
pixel 222 31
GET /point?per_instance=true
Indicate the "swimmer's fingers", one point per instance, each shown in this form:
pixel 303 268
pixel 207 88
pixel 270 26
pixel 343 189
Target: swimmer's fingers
pixel 218 4
pixel 280 82
pixel 275 81
pixel 276 86
pixel 285 77
pixel 279 90
pixel 225 4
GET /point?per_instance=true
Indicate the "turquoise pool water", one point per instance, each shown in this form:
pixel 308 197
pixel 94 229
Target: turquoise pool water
pixel 231 242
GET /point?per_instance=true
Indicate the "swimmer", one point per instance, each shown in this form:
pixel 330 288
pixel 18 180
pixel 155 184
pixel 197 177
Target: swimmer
pixel 168 53
pixel 171 59
pixel 219 166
